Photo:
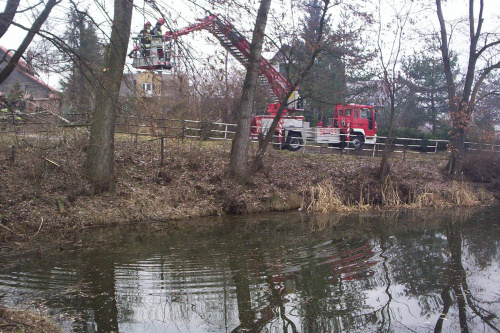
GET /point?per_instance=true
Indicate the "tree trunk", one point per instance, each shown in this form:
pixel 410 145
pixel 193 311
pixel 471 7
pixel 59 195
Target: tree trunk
pixel 238 166
pixel 433 114
pixel 100 153
pixel 8 15
pixel 384 163
pixel 258 161
pixel 457 149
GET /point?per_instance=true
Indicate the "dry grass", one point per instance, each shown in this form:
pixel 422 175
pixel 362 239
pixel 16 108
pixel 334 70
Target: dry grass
pixel 324 198
pixel 391 196
pixel 24 321
pixel 461 194
pixel 429 199
pixel 43 187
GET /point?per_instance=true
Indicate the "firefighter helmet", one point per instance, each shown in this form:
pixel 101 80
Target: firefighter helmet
pixel 161 21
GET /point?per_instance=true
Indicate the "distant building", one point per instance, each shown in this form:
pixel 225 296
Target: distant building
pixel 38 96
pixel 154 84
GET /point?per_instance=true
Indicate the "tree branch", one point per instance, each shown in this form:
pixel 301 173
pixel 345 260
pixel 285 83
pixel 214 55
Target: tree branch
pixel 8 15
pixel 27 40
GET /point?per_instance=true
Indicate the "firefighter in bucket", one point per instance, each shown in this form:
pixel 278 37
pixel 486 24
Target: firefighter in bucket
pixel 144 42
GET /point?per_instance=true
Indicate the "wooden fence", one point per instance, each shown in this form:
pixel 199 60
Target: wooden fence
pixel 166 128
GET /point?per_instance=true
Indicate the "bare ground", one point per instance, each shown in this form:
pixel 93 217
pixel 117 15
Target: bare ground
pixel 42 189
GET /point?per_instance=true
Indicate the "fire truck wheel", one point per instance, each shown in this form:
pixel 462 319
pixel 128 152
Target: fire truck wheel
pixel 357 142
pixel 294 142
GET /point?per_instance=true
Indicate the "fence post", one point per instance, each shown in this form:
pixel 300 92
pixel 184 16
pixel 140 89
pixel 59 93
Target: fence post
pixel 183 130
pixel 162 150
pixel 405 146
pixel 374 147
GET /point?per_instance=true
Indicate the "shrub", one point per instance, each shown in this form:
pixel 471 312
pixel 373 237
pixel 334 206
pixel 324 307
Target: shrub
pixel 481 166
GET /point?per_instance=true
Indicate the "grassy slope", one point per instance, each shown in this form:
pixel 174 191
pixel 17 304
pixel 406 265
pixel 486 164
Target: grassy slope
pixel 42 188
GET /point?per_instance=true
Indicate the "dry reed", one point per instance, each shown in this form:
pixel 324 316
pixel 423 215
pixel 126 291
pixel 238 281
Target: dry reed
pixel 461 194
pixel 324 198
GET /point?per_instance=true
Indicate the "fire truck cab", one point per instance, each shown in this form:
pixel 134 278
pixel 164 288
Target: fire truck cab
pixel 357 124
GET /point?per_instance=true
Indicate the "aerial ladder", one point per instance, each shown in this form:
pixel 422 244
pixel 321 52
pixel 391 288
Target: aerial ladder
pixel 231 39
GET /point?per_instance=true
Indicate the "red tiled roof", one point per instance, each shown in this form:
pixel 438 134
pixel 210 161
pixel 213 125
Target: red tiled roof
pixel 20 63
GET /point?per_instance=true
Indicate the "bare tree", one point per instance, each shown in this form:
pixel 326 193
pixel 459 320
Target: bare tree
pixel 238 167
pixel 315 46
pixel 389 65
pixel 462 103
pixel 100 154
pixel 5 21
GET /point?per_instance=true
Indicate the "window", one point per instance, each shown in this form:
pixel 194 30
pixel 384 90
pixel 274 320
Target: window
pixel 356 113
pixel 366 113
pixel 348 112
pixel 30 89
pixel 148 88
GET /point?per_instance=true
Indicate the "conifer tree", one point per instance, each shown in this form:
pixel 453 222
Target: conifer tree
pixel 334 77
pixel 83 63
pixel 426 90
pixel 325 83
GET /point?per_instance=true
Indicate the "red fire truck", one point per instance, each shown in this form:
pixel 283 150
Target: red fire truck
pixel 354 124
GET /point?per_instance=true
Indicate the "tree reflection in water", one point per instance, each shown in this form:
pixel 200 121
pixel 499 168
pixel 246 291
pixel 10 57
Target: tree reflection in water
pixel 322 271
pixel 275 275
pixel 457 283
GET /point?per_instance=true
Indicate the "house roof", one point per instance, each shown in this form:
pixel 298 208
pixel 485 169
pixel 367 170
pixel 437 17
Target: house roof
pixel 21 63
pixel 24 69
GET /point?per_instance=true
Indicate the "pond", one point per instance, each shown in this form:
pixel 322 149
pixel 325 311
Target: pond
pixel 417 271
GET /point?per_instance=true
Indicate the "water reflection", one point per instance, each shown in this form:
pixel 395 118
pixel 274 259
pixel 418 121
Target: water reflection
pixel 273 274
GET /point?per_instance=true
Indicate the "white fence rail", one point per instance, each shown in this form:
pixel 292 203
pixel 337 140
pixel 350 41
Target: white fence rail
pixel 204 130
pixel 225 131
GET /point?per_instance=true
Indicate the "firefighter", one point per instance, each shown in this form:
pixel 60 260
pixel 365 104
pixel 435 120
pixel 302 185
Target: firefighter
pixel 144 42
pixel 156 31
pixel 145 39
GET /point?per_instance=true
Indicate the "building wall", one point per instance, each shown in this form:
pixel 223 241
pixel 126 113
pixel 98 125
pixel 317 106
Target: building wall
pixel 32 88
pixel 148 84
